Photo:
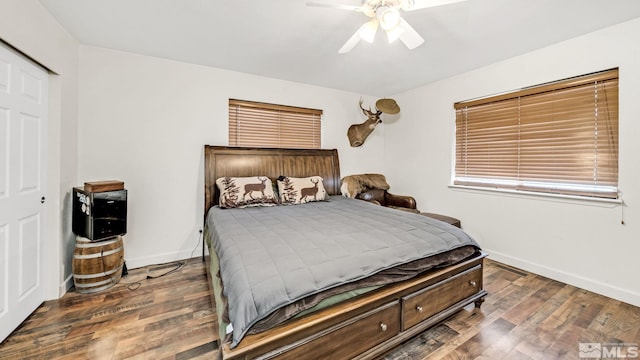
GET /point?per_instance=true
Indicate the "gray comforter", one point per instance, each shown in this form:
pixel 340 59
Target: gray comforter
pixel 272 256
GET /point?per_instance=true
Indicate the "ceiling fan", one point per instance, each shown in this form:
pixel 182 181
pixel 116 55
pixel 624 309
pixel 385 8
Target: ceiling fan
pixel 386 14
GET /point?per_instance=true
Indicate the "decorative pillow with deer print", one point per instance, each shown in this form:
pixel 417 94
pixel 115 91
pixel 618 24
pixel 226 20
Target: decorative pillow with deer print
pixel 301 190
pixel 239 192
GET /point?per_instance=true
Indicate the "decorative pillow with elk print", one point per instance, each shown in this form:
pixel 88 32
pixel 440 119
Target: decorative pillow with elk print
pixel 301 190
pixel 239 192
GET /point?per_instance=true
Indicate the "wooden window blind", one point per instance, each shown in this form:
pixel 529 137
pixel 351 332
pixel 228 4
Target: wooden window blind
pixel 257 124
pixel 560 137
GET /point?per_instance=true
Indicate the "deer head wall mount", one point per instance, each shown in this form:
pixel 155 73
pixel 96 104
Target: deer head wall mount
pixel 358 133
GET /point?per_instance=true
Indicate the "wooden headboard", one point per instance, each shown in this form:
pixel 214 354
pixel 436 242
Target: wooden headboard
pixel 220 161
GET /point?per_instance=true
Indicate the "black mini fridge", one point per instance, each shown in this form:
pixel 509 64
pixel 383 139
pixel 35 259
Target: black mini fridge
pixel 99 215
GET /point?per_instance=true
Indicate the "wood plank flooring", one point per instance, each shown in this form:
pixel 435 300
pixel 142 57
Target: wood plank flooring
pixel 525 316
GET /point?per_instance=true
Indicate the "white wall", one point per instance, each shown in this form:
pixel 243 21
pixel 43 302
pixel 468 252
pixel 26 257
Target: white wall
pixel 144 120
pixel 27 26
pixel 579 242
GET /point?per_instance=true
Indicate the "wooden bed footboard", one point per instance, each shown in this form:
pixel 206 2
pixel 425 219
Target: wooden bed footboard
pixel 372 324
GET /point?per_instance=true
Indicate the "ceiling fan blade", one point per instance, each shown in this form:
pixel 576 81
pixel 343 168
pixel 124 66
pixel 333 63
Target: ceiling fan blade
pixel 410 5
pixel 410 36
pixel 336 6
pixel 353 40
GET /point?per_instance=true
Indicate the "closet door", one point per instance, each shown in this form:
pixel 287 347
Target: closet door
pixel 23 123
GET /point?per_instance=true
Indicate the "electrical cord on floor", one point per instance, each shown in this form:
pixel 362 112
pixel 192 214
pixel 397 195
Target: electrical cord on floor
pixel 178 265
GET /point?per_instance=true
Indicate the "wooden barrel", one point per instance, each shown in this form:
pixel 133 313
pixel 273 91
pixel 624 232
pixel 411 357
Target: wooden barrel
pixel 97 265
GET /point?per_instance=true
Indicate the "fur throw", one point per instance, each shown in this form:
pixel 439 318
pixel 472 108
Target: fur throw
pixel 352 185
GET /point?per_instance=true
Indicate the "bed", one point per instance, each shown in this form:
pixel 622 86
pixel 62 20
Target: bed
pixel 357 316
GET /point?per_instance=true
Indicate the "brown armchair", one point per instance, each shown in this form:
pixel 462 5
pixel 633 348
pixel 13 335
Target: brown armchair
pixel 384 198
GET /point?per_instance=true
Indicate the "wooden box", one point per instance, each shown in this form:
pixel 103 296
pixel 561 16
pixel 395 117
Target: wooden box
pixel 101 186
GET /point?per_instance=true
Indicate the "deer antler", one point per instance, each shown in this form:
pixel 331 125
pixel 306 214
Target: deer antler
pixel 368 112
pixel 363 109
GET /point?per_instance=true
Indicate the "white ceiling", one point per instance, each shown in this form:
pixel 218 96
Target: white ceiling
pixel 288 40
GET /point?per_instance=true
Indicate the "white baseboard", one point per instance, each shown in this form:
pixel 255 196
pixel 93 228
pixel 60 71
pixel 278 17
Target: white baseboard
pixel 133 263
pixel 66 285
pixel 598 287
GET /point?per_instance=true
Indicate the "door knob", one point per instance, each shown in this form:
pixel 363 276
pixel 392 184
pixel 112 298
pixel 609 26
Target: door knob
pixel 42 199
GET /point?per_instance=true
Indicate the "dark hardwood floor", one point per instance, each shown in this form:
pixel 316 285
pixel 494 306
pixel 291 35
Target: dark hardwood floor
pixel 525 316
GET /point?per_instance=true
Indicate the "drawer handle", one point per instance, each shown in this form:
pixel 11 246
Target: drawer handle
pixel 473 283
pixel 383 326
pixel 419 308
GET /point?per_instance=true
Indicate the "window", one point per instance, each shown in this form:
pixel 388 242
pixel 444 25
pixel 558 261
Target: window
pixel 560 137
pixel 268 125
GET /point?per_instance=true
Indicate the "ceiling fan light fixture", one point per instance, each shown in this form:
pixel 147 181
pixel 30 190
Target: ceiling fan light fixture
pixel 389 17
pixel 386 13
pixel 368 30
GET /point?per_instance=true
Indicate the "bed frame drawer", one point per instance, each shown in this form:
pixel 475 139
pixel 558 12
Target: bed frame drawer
pixel 427 302
pixel 367 330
